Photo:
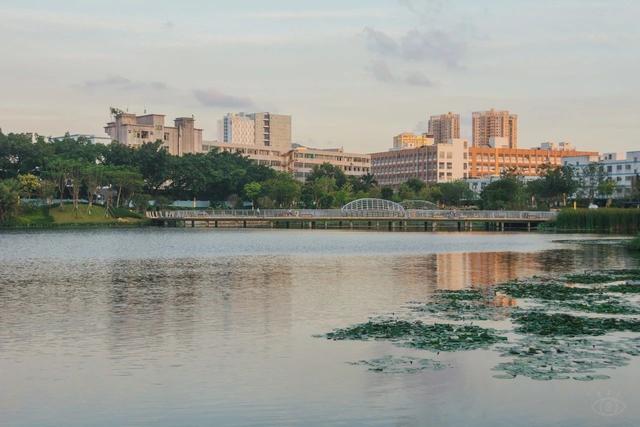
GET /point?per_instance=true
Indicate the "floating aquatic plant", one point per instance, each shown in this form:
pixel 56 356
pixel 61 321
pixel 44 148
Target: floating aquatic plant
pixel 557 324
pixel 465 305
pixel 554 345
pixel 401 365
pixel 555 359
pixel 601 305
pixel 544 291
pixel 434 337
pixel 625 288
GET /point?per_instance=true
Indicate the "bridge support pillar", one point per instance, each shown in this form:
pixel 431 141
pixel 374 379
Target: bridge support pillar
pixel 470 226
pixel 208 224
pixel 193 224
pixel 434 226
pixel 528 226
pixel 502 226
pixel 326 225
pixel 215 224
pixel 313 225
pixel 244 224
pixel 459 226
pixel 351 225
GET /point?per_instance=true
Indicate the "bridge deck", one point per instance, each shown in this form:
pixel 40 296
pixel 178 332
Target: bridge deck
pixel 335 215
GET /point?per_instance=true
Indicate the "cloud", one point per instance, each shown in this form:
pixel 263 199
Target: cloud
pixel 419 46
pixel 120 83
pixel 214 98
pixel 417 78
pixel 315 14
pixel 432 46
pixel 381 71
pixel 379 42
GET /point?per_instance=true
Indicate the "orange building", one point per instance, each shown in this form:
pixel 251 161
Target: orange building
pixel 487 161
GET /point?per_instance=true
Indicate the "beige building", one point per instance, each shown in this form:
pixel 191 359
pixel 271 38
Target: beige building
pixel 435 163
pixel 494 124
pixel 237 128
pixel 256 129
pixel 302 160
pixel 444 127
pixel 407 140
pixel 132 130
pixel 262 155
pixel 273 130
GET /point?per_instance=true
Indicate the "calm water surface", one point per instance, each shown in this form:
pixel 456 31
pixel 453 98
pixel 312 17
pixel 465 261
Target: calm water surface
pixel 214 327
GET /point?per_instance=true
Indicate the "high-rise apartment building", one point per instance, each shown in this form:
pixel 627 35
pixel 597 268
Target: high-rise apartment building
pixel 444 127
pixel 494 124
pixel 132 130
pixel 256 129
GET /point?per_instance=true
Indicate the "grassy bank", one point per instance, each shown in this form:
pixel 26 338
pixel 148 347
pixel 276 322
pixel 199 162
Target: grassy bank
pixel 66 216
pixel 609 220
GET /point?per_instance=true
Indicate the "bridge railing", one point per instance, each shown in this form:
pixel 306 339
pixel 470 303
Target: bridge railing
pixel 471 215
pixel 452 215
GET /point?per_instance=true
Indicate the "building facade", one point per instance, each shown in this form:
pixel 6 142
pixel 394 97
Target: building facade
pixel 621 168
pixel 444 127
pixel 435 163
pixel 302 160
pixel 488 161
pixel 262 155
pixel 492 123
pixel 256 129
pixel 236 128
pixel 133 131
pixel 407 140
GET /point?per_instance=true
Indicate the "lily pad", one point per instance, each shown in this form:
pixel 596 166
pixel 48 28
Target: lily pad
pixel 557 324
pixel 434 337
pixel 401 365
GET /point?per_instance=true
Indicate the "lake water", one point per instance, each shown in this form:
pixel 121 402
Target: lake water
pixel 196 327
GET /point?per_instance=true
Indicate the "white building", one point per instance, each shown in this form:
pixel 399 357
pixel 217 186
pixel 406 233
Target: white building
pixel 621 168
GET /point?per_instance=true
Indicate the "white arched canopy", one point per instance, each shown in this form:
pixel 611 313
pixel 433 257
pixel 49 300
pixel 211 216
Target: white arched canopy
pixel 373 208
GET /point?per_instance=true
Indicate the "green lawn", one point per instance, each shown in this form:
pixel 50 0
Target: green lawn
pixel 56 216
pixel 67 215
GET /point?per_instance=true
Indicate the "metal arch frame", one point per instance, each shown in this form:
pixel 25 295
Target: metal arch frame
pixel 369 207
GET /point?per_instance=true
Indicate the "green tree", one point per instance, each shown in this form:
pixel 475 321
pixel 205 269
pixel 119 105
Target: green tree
pixel 9 199
pixel 606 188
pixel 330 171
pixel 252 191
pixel 386 193
pixel 453 193
pixel 283 189
pixel 28 184
pixel 505 193
pixel 555 184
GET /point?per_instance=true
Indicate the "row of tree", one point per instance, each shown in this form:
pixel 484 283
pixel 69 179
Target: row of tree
pixel 119 175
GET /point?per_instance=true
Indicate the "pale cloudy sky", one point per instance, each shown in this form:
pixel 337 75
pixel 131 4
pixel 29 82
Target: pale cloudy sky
pixel 351 73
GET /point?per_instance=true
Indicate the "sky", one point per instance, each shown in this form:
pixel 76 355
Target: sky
pixel 351 73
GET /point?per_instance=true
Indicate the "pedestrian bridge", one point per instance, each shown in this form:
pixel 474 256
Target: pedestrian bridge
pixel 373 213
